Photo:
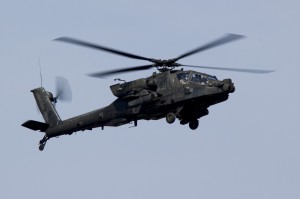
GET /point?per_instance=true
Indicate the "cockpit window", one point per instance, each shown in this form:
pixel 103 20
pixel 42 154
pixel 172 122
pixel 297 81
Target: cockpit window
pixel 183 78
pixel 199 78
pixel 213 78
pixel 202 78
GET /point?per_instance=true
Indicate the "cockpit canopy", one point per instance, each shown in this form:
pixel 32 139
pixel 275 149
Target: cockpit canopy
pixel 195 77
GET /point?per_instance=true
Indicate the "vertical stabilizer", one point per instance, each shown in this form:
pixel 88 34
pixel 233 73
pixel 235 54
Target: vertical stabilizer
pixel 44 101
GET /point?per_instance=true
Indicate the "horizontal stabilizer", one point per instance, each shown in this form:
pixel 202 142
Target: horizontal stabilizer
pixel 34 125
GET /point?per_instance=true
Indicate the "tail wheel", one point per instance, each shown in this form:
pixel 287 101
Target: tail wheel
pixel 41 147
pixel 170 118
pixel 194 124
pixel 43 142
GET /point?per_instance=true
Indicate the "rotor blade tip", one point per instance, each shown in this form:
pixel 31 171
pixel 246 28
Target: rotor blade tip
pixel 236 35
pixel 58 39
pixel 95 75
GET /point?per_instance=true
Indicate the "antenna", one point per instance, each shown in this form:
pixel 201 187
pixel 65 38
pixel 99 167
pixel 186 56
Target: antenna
pixel 41 73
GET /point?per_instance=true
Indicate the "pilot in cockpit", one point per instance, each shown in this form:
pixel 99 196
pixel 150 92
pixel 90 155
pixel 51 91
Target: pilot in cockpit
pixel 200 79
pixel 183 78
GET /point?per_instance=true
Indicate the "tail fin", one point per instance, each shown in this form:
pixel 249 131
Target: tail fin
pixel 44 101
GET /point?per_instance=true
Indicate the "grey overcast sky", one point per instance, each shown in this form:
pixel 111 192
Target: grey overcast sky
pixel 247 147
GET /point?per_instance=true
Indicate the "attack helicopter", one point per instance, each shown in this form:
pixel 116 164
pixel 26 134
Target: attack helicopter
pixel 169 93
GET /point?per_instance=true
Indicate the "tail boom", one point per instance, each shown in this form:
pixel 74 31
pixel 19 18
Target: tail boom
pixel 44 100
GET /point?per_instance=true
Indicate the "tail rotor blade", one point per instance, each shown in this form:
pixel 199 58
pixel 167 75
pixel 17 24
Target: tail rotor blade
pixel 63 90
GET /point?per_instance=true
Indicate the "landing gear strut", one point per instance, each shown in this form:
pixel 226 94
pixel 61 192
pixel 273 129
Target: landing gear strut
pixel 43 142
pixel 194 124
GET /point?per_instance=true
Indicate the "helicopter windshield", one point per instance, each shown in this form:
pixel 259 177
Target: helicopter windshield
pixel 183 78
pixel 212 78
pixel 202 79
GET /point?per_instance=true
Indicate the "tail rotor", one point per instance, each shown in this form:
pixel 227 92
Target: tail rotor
pixel 63 90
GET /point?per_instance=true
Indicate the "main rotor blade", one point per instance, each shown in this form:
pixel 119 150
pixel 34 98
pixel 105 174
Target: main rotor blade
pixel 123 70
pixel 223 40
pixel 233 69
pixel 98 47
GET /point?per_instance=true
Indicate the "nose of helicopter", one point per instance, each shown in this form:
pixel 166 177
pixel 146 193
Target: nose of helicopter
pixel 228 86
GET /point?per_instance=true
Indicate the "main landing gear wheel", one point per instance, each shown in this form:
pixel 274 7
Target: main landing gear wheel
pixel 170 118
pixel 194 124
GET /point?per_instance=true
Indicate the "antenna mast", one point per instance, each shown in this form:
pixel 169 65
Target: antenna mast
pixel 41 73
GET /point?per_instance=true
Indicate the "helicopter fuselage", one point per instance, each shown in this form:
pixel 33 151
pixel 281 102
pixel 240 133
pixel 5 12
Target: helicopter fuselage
pixel 186 94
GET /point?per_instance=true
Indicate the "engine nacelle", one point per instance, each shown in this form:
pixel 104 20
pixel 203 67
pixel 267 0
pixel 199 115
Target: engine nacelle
pixel 142 100
pixel 129 88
